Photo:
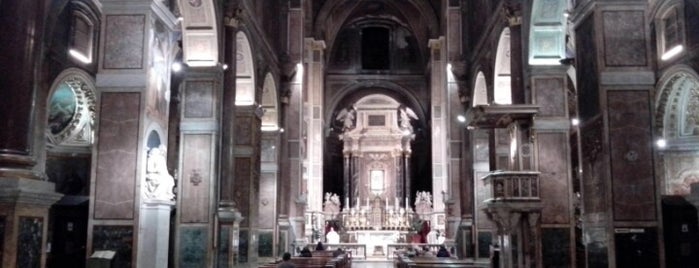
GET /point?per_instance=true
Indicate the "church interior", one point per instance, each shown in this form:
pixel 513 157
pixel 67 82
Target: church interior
pixel 201 133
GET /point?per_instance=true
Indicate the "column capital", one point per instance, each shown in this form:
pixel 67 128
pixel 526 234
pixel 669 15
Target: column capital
pixel 28 191
pixel 314 44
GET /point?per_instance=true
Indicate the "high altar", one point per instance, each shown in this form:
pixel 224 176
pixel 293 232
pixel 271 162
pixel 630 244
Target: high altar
pixel 377 132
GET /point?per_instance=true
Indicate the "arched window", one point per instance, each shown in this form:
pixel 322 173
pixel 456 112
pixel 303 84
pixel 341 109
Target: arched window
pixel 244 72
pixel 480 91
pixel 270 121
pixel 502 92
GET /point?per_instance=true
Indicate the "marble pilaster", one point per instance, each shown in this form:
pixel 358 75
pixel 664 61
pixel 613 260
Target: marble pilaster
pixel 154 233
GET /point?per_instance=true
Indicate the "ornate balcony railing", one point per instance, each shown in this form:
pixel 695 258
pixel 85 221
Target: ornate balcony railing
pixel 512 186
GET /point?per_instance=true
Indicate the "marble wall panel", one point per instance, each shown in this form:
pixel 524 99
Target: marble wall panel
pixel 29 242
pixel 295 38
pixel 268 197
pixel 550 96
pixel 554 180
pixel 593 188
pixel 193 245
pixel 197 15
pixel 587 67
pixel 481 219
pixel 624 38
pixel 116 238
pixel 597 255
pixel 281 246
pixel 196 178
pixel 243 130
pixel 2 236
pixel 123 41
pixel 266 244
pixel 630 142
pixel 484 241
pixel 241 195
pixel 199 99
pixel 637 247
pixel 555 244
pixel 117 152
pixel 243 246
pixel 223 258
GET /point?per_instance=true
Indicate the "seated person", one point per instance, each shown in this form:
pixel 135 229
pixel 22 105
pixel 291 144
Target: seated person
pixel 410 252
pixel 305 252
pixel 286 261
pixel 319 246
pixel 443 252
pixel 338 252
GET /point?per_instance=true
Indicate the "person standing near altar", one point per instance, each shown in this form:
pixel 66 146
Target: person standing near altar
pixel 332 237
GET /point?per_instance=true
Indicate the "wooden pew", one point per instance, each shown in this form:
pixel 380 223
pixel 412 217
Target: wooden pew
pixel 341 261
pixel 435 262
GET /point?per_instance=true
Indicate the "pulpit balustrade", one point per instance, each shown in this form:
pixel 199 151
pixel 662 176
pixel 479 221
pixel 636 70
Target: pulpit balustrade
pixel 512 186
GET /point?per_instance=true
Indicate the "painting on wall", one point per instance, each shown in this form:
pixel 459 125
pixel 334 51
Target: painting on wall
pixel 62 107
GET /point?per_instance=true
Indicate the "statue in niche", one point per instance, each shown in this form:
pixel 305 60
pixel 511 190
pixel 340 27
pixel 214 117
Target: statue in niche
pixel 347 116
pixel 159 182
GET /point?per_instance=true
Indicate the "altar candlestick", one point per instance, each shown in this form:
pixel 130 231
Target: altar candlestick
pixel 396 203
pixel 406 203
pixel 347 204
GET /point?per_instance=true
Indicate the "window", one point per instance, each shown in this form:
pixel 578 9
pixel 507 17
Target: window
pixel 670 32
pixel 375 48
pixel 81 38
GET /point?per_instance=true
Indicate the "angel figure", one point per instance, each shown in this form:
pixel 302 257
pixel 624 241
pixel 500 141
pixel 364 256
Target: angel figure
pixel 347 116
pixel 405 115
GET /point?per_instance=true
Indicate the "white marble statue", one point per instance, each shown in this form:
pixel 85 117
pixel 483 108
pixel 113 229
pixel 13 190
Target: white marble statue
pixel 159 183
pixel 347 116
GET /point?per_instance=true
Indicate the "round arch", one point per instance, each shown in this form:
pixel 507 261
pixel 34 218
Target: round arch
pixel 677 104
pixel 676 117
pixel 502 90
pixel 333 15
pixel 480 90
pixel 244 71
pixel 199 32
pixel 350 94
pixel 71 109
pixel 270 119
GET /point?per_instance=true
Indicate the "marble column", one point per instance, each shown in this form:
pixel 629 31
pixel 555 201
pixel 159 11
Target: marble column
pixel 292 192
pixel 225 204
pixel 228 236
pixel 154 233
pixel 439 122
pixel 314 107
pixel 247 178
pixel 25 195
pixel 346 179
